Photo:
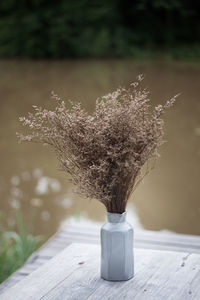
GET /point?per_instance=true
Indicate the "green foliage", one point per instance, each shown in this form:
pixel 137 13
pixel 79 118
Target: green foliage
pixel 15 247
pixel 99 28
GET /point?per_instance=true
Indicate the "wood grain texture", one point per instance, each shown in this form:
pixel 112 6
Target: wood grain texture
pixel 142 238
pixel 145 239
pixel 74 274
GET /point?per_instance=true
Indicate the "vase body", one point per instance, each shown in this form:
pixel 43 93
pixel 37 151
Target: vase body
pixel 117 261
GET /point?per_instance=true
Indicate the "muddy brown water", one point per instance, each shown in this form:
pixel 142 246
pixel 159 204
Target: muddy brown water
pixel 168 198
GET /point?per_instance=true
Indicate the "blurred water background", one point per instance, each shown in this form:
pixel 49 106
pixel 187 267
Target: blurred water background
pixel 30 181
pixel 82 50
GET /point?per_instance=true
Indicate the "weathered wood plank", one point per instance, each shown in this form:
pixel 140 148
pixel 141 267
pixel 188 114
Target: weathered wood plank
pixel 142 238
pixel 166 243
pixel 90 235
pixel 159 238
pixel 158 275
pixel 53 270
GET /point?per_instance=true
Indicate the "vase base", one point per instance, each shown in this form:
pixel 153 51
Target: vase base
pixel 114 279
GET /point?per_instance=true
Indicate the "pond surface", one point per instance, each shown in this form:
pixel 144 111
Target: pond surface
pixel 169 196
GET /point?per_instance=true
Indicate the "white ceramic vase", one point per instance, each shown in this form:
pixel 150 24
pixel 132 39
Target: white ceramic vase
pixel 117 262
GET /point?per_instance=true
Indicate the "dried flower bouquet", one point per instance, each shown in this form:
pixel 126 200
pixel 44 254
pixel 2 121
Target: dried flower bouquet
pixel 103 151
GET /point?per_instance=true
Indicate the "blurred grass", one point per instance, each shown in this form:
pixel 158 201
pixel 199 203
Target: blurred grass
pixel 16 245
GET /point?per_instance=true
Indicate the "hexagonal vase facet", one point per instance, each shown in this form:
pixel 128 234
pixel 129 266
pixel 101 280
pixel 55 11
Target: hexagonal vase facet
pixel 117 261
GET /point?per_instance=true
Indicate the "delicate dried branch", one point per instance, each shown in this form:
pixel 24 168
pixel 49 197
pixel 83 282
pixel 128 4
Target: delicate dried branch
pixel 103 152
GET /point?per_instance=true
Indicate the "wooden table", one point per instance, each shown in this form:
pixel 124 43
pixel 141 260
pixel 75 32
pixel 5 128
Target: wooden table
pixel 74 274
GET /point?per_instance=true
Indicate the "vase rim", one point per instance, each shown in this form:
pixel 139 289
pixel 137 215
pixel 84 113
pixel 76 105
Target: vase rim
pixel 115 217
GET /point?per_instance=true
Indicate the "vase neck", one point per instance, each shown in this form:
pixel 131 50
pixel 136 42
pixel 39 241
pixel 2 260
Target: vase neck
pixel 116 218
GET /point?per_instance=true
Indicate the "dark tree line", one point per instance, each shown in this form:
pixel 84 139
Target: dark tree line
pixel 99 28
